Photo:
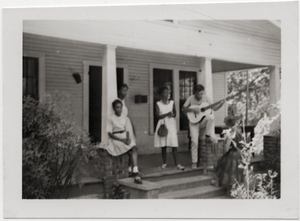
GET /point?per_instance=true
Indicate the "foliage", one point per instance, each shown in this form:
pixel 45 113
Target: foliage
pixel 54 147
pixel 267 125
pixel 256 186
pixel 262 188
pixel 118 192
pixel 258 99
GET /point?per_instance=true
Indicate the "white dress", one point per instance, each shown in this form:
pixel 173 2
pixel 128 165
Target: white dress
pixel 115 124
pixel 171 140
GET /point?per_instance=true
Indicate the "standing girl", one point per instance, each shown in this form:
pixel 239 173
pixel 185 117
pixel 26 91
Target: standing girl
pixel 165 111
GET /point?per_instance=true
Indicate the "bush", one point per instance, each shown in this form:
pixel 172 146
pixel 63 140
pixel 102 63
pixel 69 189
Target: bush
pixel 118 192
pixel 54 147
pixel 256 186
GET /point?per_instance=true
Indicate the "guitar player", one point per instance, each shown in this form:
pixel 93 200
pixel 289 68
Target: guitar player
pixel 207 123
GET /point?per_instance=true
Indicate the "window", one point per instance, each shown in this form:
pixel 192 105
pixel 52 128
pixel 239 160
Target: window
pixel 30 77
pixel 187 80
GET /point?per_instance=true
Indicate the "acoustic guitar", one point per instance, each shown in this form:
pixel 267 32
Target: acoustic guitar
pixel 204 110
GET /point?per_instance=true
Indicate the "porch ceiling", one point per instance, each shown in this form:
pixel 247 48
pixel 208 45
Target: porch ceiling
pixel 251 42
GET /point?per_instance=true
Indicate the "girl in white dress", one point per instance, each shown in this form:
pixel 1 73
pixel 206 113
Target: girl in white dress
pixel 121 139
pixel 165 111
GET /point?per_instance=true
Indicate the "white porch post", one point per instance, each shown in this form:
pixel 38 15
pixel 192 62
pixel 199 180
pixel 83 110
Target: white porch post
pixel 109 85
pixel 274 86
pixel 205 78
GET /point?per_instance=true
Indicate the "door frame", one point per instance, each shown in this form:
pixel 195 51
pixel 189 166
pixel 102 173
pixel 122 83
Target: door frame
pixel 85 105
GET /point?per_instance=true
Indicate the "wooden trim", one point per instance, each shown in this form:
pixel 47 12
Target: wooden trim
pixel 226 92
pixel 41 72
pixel 126 77
pixel 176 96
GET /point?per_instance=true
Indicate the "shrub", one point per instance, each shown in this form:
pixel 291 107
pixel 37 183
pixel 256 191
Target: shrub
pixel 256 186
pixel 118 192
pixel 54 147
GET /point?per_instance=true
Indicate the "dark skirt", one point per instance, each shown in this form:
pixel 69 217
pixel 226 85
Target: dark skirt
pixel 227 169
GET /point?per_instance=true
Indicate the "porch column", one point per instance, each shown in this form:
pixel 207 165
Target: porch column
pixel 275 87
pixel 205 78
pixel 109 85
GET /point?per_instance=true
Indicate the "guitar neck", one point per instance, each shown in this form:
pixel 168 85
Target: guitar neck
pixel 216 103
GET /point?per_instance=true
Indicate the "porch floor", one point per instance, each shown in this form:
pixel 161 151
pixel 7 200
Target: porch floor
pixel 151 163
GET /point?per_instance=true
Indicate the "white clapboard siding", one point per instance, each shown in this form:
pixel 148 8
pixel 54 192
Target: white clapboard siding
pixel 63 58
pixel 219 92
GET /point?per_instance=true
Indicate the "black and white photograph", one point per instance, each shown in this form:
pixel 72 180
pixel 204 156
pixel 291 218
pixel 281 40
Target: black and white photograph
pixel 172 105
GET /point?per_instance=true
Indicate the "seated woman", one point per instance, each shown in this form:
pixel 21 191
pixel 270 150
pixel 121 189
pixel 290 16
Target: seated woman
pixel 121 138
pixel 227 169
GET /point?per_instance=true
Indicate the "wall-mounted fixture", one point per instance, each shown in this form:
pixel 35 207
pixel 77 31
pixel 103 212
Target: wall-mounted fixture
pixel 141 99
pixel 77 77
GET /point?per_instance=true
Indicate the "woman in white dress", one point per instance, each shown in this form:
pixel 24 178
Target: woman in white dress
pixel 121 139
pixel 165 111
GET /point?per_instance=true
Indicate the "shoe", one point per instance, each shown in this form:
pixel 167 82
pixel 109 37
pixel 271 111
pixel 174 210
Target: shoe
pixel 164 166
pixel 179 167
pixel 194 166
pixel 138 179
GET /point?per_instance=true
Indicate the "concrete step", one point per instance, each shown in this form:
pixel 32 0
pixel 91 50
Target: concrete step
pixel 203 192
pixel 183 183
pixel 173 174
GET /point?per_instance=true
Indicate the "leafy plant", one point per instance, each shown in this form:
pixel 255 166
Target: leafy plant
pixel 54 147
pixel 118 192
pixel 256 186
pixel 267 125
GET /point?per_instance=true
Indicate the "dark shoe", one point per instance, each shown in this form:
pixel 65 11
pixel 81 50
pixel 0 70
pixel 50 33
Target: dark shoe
pixel 138 180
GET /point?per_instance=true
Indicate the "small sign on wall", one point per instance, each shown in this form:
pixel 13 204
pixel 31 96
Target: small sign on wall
pixel 141 99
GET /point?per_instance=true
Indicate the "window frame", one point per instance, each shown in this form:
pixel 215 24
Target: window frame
pixel 41 70
pixel 175 69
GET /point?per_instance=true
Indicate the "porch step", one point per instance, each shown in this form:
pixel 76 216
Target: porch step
pixel 173 174
pixel 203 192
pixel 183 183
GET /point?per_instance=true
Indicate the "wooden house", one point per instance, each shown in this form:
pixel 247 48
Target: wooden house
pixel 145 55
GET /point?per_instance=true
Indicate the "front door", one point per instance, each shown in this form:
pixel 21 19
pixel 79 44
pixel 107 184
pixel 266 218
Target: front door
pixel 95 103
pixel 95 100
